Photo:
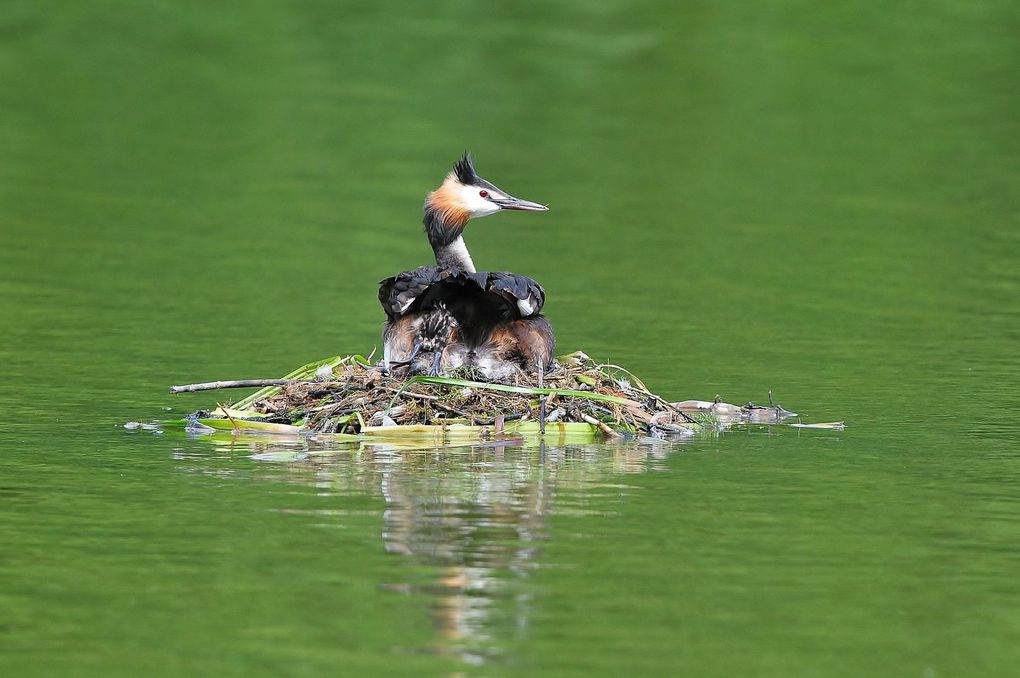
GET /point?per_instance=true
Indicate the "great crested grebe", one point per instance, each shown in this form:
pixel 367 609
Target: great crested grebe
pixel 450 315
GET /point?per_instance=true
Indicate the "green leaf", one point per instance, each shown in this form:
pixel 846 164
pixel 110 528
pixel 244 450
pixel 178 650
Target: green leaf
pixel 303 372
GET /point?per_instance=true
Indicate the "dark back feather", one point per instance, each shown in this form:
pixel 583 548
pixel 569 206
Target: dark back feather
pixel 478 301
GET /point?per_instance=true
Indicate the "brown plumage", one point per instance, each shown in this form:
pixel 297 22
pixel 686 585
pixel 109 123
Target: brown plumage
pixel 418 340
pixel 446 201
pixel 526 344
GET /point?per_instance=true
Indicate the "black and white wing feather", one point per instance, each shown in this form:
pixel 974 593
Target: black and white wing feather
pixel 508 295
pixel 524 294
pixel 399 293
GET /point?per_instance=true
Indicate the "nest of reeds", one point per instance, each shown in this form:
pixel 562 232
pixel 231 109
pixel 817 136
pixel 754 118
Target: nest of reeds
pixel 350 396
pixel 353 394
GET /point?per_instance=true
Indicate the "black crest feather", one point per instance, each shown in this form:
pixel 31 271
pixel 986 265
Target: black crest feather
pixel 465 170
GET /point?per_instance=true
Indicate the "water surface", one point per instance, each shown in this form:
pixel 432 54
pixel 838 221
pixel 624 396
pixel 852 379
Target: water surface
pixel 818 201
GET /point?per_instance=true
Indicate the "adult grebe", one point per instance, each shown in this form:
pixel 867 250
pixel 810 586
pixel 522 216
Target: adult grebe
pixel 450 315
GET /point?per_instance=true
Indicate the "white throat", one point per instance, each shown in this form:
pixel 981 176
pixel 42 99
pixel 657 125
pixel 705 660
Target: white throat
pixel 456 256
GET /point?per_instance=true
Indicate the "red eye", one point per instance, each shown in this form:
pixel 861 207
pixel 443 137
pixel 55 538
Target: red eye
pixel 483 193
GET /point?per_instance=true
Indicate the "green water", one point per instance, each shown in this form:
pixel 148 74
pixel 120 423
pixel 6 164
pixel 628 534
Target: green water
pixel 818 200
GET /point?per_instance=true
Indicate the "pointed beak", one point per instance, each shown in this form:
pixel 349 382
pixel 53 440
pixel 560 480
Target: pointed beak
pixel 511 203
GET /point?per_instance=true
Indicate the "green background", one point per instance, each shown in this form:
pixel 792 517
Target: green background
pixel 818 199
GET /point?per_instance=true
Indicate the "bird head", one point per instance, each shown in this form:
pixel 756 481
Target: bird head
pixel 464 195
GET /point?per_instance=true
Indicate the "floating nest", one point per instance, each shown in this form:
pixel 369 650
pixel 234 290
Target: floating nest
pixel 348 397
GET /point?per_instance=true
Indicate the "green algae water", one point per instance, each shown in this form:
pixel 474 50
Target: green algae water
pixel 821 201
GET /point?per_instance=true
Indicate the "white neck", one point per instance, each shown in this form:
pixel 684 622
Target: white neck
pixel 455 256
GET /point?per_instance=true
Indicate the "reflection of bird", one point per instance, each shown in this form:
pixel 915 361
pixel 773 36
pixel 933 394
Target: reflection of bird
pixel 450 315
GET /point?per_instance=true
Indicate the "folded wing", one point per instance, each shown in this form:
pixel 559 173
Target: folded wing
pixel 473 298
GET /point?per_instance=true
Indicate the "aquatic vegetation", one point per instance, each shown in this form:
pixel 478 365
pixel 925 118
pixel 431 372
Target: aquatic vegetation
pixel 348 397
